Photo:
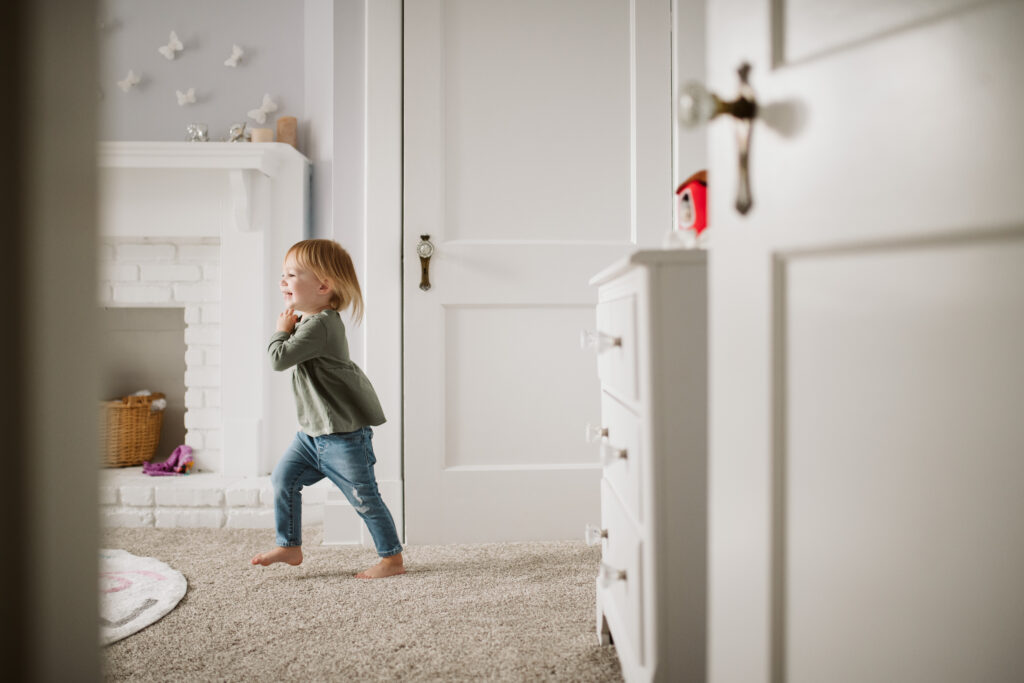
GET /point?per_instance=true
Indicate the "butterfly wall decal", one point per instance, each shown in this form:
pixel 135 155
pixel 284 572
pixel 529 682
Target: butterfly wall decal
pixel 187 97
pixel 260 114
pixel 173 46
pixel 129 82
pixel 236 54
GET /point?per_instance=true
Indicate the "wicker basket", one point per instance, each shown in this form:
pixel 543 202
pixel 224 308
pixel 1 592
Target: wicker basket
pixel 130 430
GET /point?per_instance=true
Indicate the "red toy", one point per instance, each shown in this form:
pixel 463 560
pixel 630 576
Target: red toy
pixel 692 202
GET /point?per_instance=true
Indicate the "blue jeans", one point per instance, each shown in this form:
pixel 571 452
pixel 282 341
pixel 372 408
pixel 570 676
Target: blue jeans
pixel 346 458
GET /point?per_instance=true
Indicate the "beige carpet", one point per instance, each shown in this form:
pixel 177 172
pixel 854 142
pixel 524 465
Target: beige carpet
pixel 505 612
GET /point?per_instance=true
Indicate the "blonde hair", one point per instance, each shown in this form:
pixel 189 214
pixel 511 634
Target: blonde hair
pixel 330 263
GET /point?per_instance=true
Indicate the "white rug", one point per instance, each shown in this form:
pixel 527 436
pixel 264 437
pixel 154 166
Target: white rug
pixel 134 592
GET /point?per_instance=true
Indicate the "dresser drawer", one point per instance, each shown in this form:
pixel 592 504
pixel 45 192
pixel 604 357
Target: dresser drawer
pixel 617 364
pixel 622 473
pixel 623 596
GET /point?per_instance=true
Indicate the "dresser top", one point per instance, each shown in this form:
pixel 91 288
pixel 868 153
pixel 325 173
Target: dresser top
pixel 650 257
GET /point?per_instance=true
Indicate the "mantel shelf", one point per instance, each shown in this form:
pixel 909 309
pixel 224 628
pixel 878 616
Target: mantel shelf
pixel 265 157
pixel 247 164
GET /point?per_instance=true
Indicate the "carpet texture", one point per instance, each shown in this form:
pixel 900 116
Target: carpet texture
pixel 496 612
pixel 134 592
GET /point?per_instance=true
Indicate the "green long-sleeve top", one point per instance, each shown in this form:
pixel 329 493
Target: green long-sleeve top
pixel 331 392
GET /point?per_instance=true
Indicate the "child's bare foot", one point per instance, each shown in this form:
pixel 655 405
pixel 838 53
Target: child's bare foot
pixel 291 555
pixel 388 566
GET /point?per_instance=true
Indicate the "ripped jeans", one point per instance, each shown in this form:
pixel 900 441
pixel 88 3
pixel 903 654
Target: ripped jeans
pixel 346 458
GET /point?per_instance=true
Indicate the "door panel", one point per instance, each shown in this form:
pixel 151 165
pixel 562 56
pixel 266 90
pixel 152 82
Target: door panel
pixel 865 471
pixel 898 516
pixel 537 149
pixel 493 362
pixel 529 133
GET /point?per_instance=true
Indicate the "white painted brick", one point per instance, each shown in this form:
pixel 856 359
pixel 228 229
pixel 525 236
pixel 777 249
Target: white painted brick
pixel 211 313
pixel 199 252
pixel 207 460
pixel 194 356
pixel 267 496
pixel 192 314
pixel 105 252
pixel 317 493
pixel 105 294
pixel 212 439
pixel 250 518
pixel 194 438
pixel 213 356
pixel 145 252
pixel 194 398
pixel 312 514
pixel 141 294
pixel 187 495
pixel 120 272
pixel 202 418
pixel 189 517
pixel 108 495
pixel 202 334
pixel 138 496
pixel 242 495
pixel 211 272
pixel 202 377
pixel 126 517
pixel 171 273
pixel 211 397
pixel 345 527
pixel 205 291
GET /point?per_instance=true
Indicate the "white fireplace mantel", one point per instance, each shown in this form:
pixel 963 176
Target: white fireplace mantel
pixel 254 199
pixel 245 166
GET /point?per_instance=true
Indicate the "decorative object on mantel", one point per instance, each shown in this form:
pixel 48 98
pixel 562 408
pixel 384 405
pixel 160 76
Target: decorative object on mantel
pixel 287 131
pixel 236 54
pixel 173 46
pixel 130 428
pixel 187 97
pixel 179 462
pixel 238 133
pixel 692 214
pixel 135 592
pixel 196 132
pixel 260 115
pixel 262 135
pixel 129 82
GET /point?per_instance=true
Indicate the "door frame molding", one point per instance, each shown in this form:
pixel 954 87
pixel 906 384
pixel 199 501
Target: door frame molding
pixel 382 280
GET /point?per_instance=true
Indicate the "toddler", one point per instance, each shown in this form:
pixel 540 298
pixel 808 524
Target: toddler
pixel 336 403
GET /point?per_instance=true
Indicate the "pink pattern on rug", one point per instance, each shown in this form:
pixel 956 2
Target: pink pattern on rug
pixel 127 583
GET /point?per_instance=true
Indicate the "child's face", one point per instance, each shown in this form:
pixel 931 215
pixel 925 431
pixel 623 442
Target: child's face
pixel 301 290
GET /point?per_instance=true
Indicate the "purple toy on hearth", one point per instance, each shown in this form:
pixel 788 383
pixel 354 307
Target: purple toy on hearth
pixel 180 462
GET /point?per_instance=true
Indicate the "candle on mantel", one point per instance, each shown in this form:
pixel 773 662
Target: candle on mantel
pixel 287 131
pixel 262 135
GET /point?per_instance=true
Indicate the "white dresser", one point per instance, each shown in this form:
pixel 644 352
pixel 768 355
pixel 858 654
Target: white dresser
pixel 651 344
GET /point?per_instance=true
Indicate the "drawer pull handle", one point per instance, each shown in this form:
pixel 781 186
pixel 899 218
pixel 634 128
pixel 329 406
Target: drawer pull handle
pixel 599 341
pixel 607 575
pixel 609 454
pixel 595 433
pixel 592 535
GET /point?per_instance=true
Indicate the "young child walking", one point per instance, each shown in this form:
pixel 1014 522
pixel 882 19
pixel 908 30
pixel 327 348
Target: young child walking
pixel 336 403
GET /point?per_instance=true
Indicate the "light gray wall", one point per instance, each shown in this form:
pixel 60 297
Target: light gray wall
pixel 270 31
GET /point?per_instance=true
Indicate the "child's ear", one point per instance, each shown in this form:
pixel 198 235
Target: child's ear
pixel 325 286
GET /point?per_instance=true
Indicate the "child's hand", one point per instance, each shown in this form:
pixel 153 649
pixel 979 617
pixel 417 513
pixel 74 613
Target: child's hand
pixel 286 321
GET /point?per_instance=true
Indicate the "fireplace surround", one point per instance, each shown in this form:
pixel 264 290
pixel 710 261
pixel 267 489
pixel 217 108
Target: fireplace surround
pixel 203 227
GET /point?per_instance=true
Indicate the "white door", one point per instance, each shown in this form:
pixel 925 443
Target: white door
pixel 866 328
pixel 537 149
